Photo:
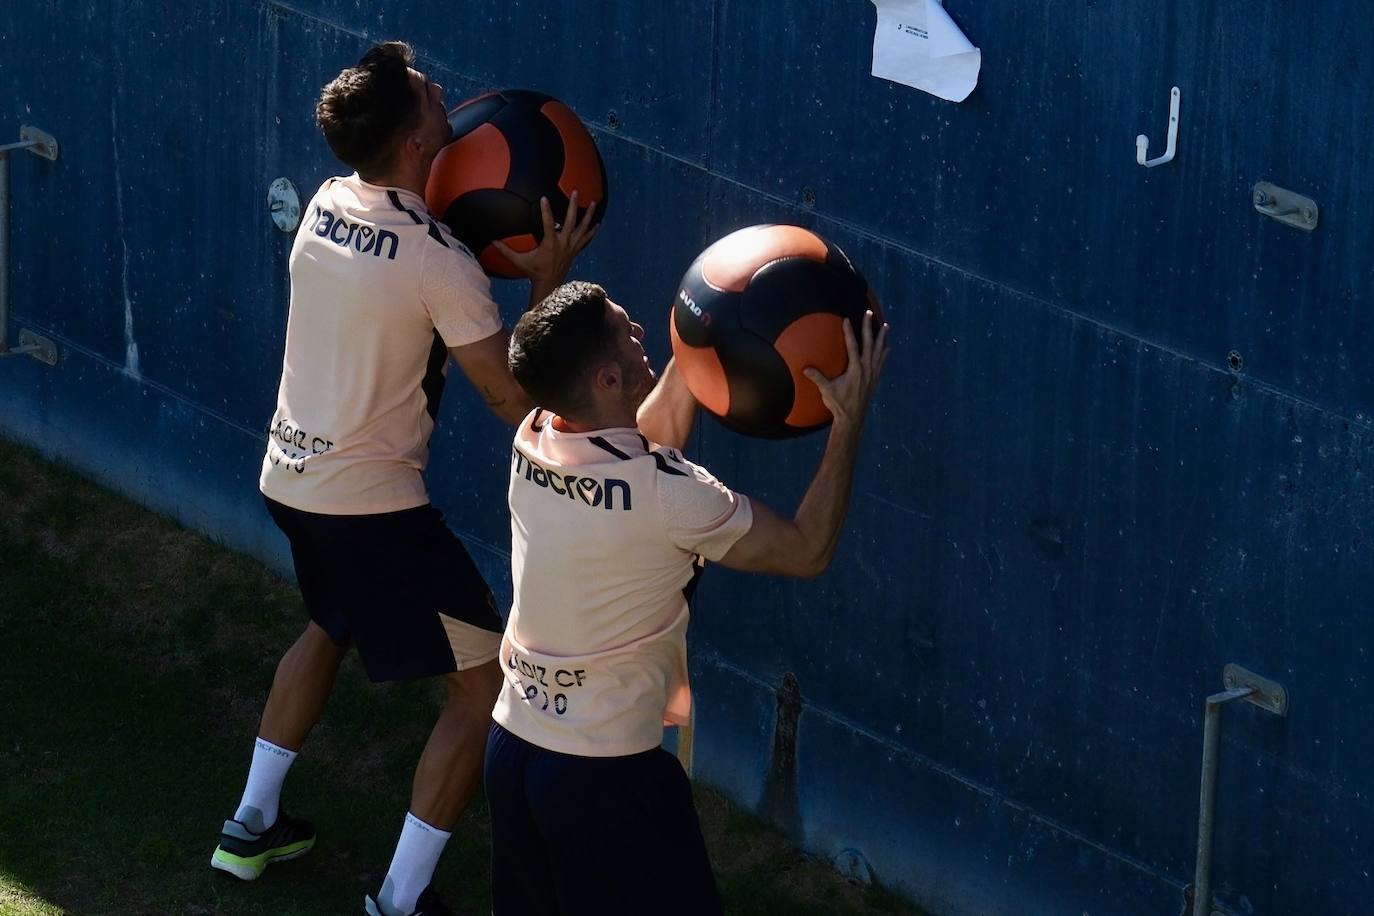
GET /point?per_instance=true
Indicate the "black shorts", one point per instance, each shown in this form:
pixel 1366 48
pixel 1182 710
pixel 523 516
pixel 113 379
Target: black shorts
pixel 593 836
pixel 398 585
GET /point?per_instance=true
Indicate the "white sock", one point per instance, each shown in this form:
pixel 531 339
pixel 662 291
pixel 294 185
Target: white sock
pixel 262 795
pixel 412 868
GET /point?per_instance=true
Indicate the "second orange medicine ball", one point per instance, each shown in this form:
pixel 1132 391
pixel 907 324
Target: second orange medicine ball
pixel 753 311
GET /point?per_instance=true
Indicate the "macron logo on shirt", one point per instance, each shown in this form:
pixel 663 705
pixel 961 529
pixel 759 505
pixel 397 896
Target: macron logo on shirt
pixel 589 491
pixel 362 239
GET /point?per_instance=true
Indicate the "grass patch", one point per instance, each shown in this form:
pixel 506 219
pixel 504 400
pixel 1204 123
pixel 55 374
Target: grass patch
pixel 137 655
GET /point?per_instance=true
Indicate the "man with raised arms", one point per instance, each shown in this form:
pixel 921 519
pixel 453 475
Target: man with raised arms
pixel 609 527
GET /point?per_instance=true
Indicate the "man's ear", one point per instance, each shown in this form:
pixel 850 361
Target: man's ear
pixel 607 377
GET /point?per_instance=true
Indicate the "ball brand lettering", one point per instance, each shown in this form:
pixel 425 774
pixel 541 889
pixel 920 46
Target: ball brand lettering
pixel 588 491
pixel 687 300
pixel 362 239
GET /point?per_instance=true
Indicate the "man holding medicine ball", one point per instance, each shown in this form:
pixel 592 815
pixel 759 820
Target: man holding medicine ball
pixel 382 296
pixel 610 526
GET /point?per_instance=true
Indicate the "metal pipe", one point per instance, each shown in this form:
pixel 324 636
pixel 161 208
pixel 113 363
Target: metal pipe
pixel 44 145
pixel 1211 758
pixel 4 251
pixel 5 150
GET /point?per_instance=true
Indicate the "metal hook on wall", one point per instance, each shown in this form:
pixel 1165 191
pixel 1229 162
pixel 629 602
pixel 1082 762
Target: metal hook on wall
pixel 1142 142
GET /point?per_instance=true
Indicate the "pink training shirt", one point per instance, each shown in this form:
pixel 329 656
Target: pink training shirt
pixel 607 530
pixel 379 291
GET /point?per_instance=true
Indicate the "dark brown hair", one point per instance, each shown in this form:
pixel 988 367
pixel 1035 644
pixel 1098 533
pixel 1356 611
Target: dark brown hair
pixel 365 110
pixel 557 345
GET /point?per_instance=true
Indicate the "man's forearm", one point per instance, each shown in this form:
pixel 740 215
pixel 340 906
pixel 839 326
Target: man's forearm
pixel 668 413
pixel 511 406
pixel 820 517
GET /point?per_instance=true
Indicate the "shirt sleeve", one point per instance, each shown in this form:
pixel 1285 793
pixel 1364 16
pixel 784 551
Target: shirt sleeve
pixel 457 295
pixel 702 515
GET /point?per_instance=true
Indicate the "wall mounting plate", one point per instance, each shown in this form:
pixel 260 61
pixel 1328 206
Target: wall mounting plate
pixel 1287 207
pixel 1268 695
pixel 44 143
pixel 39 347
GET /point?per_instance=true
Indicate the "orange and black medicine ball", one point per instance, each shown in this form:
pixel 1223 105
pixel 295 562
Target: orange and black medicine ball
pixel 753 311
pixel 510 148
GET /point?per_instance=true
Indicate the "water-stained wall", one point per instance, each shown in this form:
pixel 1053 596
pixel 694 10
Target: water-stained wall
pixel 1121 441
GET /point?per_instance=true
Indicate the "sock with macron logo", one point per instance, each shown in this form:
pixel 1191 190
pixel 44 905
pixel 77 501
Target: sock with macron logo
pixel 412 868
pixel 262 795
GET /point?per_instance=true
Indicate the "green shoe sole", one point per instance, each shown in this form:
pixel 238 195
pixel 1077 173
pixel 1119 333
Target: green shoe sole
pixel 247 869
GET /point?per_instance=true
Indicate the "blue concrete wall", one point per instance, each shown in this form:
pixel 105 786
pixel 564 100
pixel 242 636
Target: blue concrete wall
pixel 1071 510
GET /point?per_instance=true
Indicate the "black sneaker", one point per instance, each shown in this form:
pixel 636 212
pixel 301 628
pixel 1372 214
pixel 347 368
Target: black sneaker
pixel 428 904
pixel 245 854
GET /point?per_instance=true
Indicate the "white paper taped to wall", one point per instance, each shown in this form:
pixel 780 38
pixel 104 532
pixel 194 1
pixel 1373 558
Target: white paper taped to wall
pixel 918 45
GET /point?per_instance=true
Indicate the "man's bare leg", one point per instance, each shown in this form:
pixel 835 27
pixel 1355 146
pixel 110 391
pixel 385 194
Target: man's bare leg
pixel 257 836
pixel 304 679
pixel 445 779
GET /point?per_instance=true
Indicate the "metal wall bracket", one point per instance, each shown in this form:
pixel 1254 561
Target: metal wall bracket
pixel 44 145
pixel 1264 693
pixel 1258 691
pixel 1188 904
pixel 41 348
pixel 1285 206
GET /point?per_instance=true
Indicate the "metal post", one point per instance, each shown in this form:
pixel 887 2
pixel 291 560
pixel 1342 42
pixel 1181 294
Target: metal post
pixel 1211 746
pixel 1258 691
pixel 40 348
pixel 4 251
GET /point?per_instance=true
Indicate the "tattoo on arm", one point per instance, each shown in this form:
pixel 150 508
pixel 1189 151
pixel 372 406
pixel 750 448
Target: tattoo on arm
pixel 493 399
